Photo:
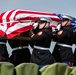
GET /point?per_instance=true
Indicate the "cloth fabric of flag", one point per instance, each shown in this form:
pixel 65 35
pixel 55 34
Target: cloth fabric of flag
pixel 15 22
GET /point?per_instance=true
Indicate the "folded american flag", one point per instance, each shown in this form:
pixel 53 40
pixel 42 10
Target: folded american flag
pixel 15 22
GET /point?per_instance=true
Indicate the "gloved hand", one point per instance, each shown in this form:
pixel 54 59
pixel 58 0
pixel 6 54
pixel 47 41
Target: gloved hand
pixel 35 25
pixel 58 26
pixel 54 31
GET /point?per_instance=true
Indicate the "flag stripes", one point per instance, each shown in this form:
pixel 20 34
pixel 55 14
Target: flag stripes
pixel 15 22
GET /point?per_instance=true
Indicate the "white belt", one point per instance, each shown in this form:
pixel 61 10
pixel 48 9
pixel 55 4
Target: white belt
pixel 20 47
pixel 42 48
pixel 64 45
pixel 2 43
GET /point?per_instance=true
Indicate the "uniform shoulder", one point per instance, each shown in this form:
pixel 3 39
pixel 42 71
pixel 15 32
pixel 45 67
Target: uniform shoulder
pixel 48 31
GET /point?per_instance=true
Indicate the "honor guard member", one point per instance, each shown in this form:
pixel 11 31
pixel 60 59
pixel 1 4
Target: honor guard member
pixel 20 51
pixel 40 39
pixel 3 50
pixel 64 38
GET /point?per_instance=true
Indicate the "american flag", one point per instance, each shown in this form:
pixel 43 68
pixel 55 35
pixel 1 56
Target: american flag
pixel 15 22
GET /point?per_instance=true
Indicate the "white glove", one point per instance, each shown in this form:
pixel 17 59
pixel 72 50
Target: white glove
pixel 58 26
pixel 53 29
pixel 35 25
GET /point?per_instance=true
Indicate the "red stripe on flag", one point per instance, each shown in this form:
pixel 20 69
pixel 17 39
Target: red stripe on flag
pixel 2 33
pixel 56 19
pixel 28 18
pixel 1 15
pixel 8 18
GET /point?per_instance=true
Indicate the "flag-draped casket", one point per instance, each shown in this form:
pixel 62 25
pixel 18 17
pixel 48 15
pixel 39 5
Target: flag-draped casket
pixel 15 22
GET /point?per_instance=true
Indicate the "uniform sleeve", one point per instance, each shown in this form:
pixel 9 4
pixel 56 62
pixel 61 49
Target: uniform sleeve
pixel 31 33
pixel 65 34
pixel 46 34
